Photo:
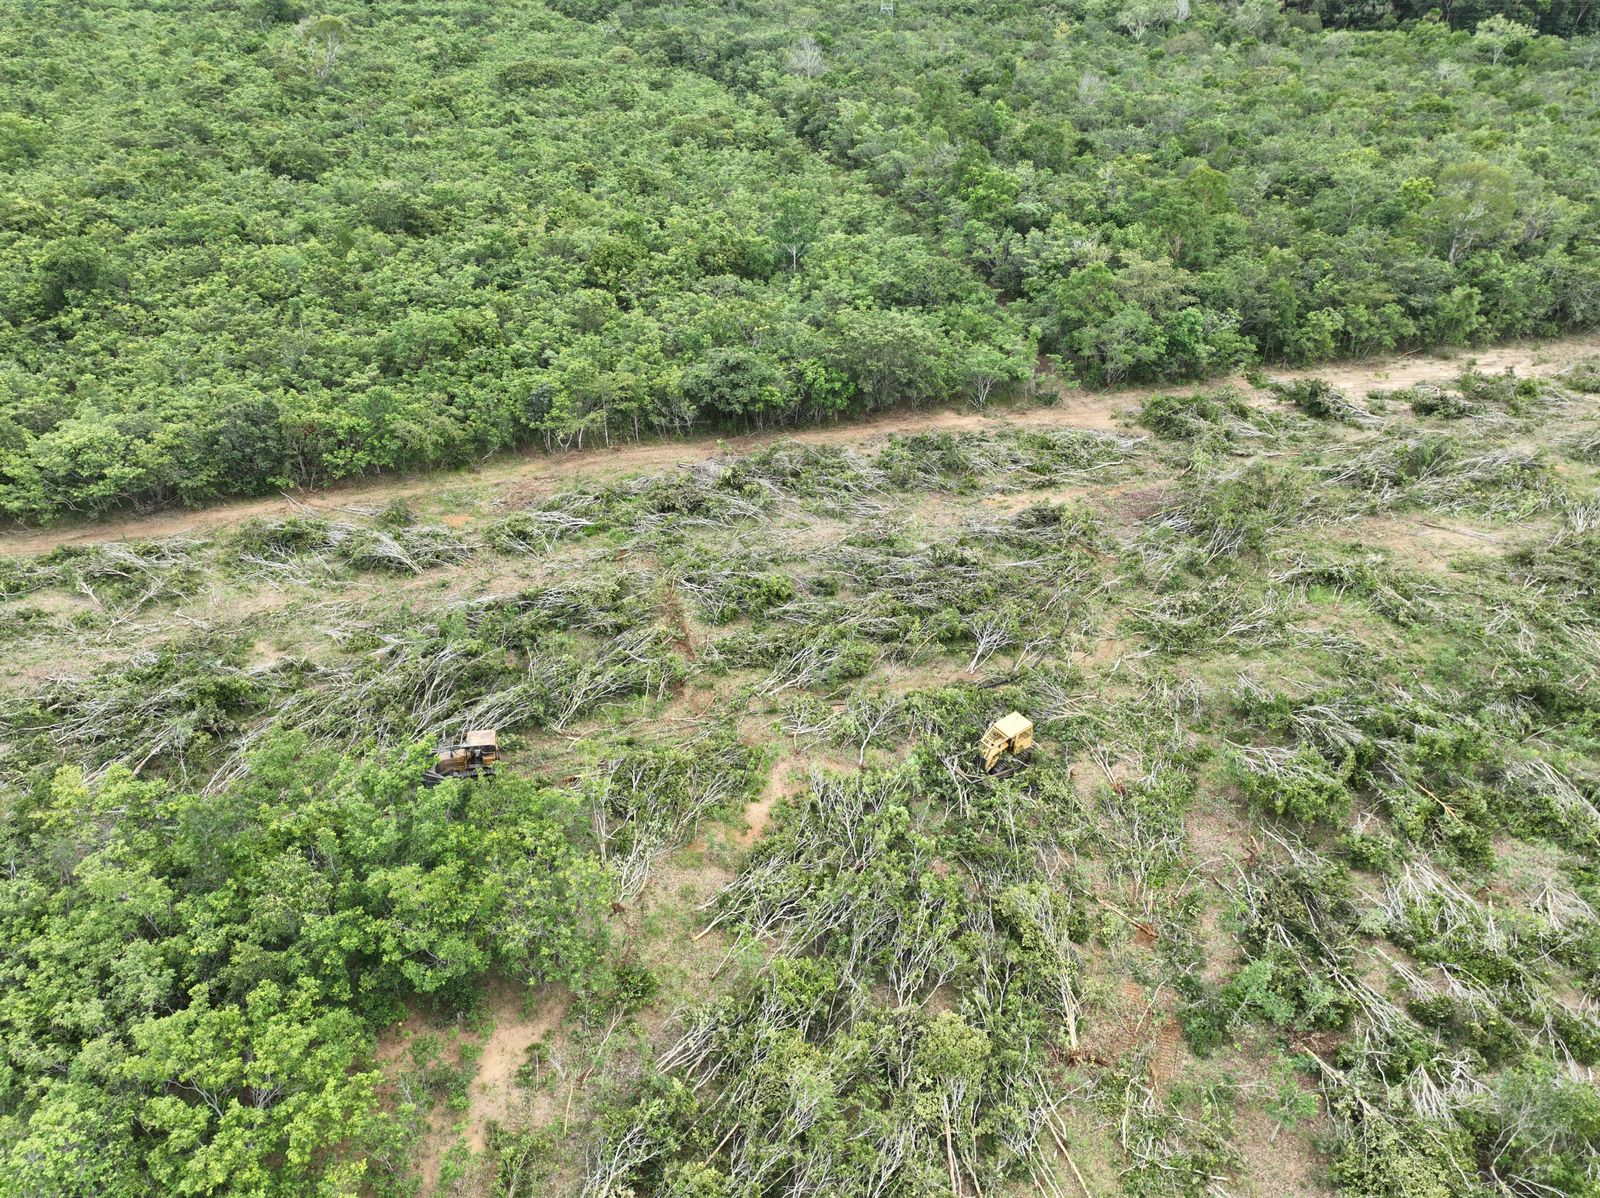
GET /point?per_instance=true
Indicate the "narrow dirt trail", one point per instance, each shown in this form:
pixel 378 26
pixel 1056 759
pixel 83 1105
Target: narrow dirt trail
pixel 518 477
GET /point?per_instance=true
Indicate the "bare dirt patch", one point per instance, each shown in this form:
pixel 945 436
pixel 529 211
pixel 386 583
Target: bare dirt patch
pixel 1219 944
pixel 493 1096
pixel 1425 544
pixel 1217 835
pixel 1105 653
pixel 1279 1162
pixel 1133 504
pixel 1139 1027
pixel 787 777
pixel 1528 358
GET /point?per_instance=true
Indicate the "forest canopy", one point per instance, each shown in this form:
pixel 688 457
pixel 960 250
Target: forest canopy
pixel 262 245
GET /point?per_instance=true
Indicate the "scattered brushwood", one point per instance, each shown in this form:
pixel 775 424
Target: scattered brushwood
pixel 1504 390
pixel 1581 515
pixel 1408 1083
pixel 847 483
pixel 404 684
pixel 774 1086
pixel 864 719
pixel 1420 757
pixel 700 496
pixel 1559 804
pixel 1321 400
pixel 1298 900
pixel 296 544
pixel 1504 482
pixel 1008 460
pixel 1140 833
pixel 1065 531
pixel 19 623
pixel 654 506
pixel 293 549
pixel 1565 566
pixel 170 709
pixel 1168 1151
pixel 947 592
pixel 1204 414
pixel 740 585
pixel 904 598
pixel 1582 375
pixel 408 550
pixel 122 577
pixel 1295 782
pixel 766 1084
pixel 1404 596
pixel 993 629
pixel 1235 511
pixel 1494 979
pixel 797 657
pixel 850 876
pixel 1224 614
pixel 921 577
pixel 602 605
pixel 1303 970
pixel 1438 921
pixel 639 663
pixel 1435 471
pixel 753 489
pixel 709 495
pixel 25 575
pixel 650 800
pixel 1429 399
pixel 534 532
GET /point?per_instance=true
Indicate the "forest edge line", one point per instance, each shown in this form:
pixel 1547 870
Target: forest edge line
pixel 543 470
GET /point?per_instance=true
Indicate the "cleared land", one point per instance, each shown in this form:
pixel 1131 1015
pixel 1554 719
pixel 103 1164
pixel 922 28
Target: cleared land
pixel 1297 894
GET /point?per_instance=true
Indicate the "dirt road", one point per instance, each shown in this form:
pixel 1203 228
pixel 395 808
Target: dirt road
pixel 521 476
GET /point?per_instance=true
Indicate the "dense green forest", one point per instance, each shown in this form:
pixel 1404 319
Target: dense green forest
pixel 246 252
pixel 249 246
pixel 1168 191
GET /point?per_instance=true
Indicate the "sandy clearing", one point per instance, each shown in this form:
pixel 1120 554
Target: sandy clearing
pixel 525 475
pixel 1428 545
pixel 494 1096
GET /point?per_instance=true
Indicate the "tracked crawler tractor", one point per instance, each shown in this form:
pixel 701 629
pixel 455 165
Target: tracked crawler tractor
pixel 1010 734
pixel 473 757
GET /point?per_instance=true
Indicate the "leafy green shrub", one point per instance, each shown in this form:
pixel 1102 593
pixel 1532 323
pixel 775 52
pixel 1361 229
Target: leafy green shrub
pixel 533 74
pixel 1207 1025
pixel 1297 782
pixel 236 967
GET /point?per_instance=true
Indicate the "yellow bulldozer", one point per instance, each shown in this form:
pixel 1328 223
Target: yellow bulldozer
pixel 1009 734
pixel 474 756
